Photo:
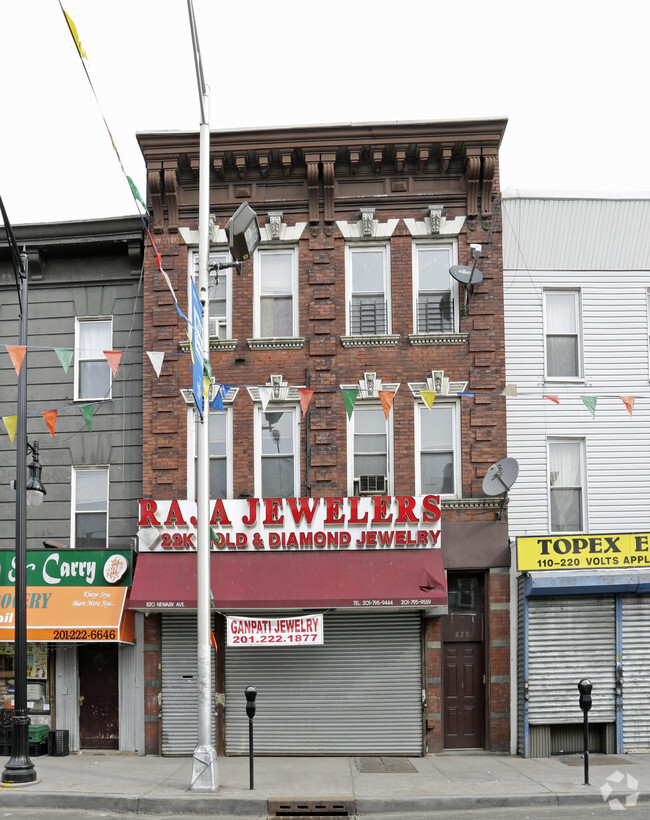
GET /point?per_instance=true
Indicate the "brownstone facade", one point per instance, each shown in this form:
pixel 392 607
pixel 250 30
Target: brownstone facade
pixel 324 177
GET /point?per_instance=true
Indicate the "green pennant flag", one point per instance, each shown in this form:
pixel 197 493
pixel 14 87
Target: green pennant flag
pixel 87 413
pixel 65 356
pixel 136 194
pixel 350 398
pixel 590 403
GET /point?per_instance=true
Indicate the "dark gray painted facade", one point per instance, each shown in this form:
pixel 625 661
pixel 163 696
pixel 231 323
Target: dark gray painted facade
pixel 76 270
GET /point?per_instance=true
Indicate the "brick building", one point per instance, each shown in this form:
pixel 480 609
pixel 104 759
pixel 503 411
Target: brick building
pixel 349 296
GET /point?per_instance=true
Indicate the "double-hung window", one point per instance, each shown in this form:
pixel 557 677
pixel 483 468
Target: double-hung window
pixel 90 507
pixel 219 294
pixel 435 291
pixel 566 481
pixel 437 450
pixel 368 280
pixel 219 449
pixel 276 293
pixel 93 377
pixel 370 457
pixel 562 330
pixel 278 467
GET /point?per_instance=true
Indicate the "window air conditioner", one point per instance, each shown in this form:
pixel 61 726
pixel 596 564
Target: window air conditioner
pixel 371 484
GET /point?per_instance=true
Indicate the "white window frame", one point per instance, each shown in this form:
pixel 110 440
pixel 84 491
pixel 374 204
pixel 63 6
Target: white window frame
pixel 277 407
pixel 581 442
pixel 192 440
pixel 362 406
pixel 225 322
pixel 419 408
pixel 577 294
pixel 81 356
pixel 76 471
pixel 350 250
pixel 452 249
pixel 257 290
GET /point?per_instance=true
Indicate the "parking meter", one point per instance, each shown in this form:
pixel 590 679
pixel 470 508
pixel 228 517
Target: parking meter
pixel 251 694
pixel 584 687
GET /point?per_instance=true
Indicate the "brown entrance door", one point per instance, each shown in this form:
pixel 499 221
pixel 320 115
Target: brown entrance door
pixel 98 690
pixel 463 718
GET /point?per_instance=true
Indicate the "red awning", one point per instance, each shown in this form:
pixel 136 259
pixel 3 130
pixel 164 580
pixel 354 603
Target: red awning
pixel 355 579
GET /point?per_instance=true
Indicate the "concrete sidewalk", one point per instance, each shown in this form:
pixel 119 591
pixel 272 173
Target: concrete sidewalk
pixel 365 787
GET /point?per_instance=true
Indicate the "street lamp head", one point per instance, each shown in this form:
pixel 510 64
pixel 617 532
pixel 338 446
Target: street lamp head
pixel 243 233
pixel 34 487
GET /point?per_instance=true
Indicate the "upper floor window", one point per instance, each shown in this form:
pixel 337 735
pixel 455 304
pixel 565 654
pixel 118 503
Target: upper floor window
pixel 219 294
pixel 90 507
pixel 93 377
pixel 437 449
pixel 276 293
pixel 562 330
pixel 566 481
pixel 277 433
pixel 371 445
pixel 368 282
pixel 434 289
pixel 220 452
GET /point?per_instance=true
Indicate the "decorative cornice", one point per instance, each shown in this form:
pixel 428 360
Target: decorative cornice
pixel 154 184
pixel 473 171
pixel 380 230
pixel 471 503
pixel 423 339
pixel 284 343
pixel 370 341
pixel 422 228
pixel 216 344
pixel 489 167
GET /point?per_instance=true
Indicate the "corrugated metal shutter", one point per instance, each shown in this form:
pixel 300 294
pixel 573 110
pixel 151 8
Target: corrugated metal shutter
pixel 521 648
pixel 570 639
pixel 180 709
pixel 359 693
pixel 636 673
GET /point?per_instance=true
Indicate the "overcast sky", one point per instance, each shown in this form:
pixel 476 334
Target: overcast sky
pixel 570 76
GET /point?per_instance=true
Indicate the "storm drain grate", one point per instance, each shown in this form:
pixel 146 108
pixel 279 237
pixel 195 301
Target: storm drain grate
pixel 314 809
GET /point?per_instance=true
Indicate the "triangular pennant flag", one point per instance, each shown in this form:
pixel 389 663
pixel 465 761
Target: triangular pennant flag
pixel 510 390
pixel 65 356
pixel 305 394
pixel 136 193
pixel 113 357
pixel 50 420
pixel 206 387
pixel 590 403
pixel 265 396
pixel 428 397
pixel 17 354
pixel 213 537
pixel 10 423
pixel 628 401
pixel 554 399
pixel 75 36
pixel 350 399
pixel 217 401
pixel 386 398
pixel 156 360
pixel 87 413
pixel 213 641
pixel 189 338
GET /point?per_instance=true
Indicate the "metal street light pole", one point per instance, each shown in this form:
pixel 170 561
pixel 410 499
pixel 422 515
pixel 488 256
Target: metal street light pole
pixel 19 769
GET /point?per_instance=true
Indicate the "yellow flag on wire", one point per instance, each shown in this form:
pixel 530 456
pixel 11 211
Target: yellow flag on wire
pixel 73 31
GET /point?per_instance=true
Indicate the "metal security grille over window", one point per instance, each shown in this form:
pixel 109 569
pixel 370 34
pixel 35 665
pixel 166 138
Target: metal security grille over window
pixel 435 296
pixel 369 308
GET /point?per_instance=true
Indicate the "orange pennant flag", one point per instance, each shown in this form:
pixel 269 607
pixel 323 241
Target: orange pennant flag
pixel 386 397
pixel 17 353
pixel 213 641
pixel 50 420
pixel 305 394
pixel 113 357
pixel 554 399
pixel 628 401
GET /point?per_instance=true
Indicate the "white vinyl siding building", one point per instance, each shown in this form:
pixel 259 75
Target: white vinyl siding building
pixel 584 459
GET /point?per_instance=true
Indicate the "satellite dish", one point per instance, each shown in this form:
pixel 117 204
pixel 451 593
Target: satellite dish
pixel 499 479
pixel 467 276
